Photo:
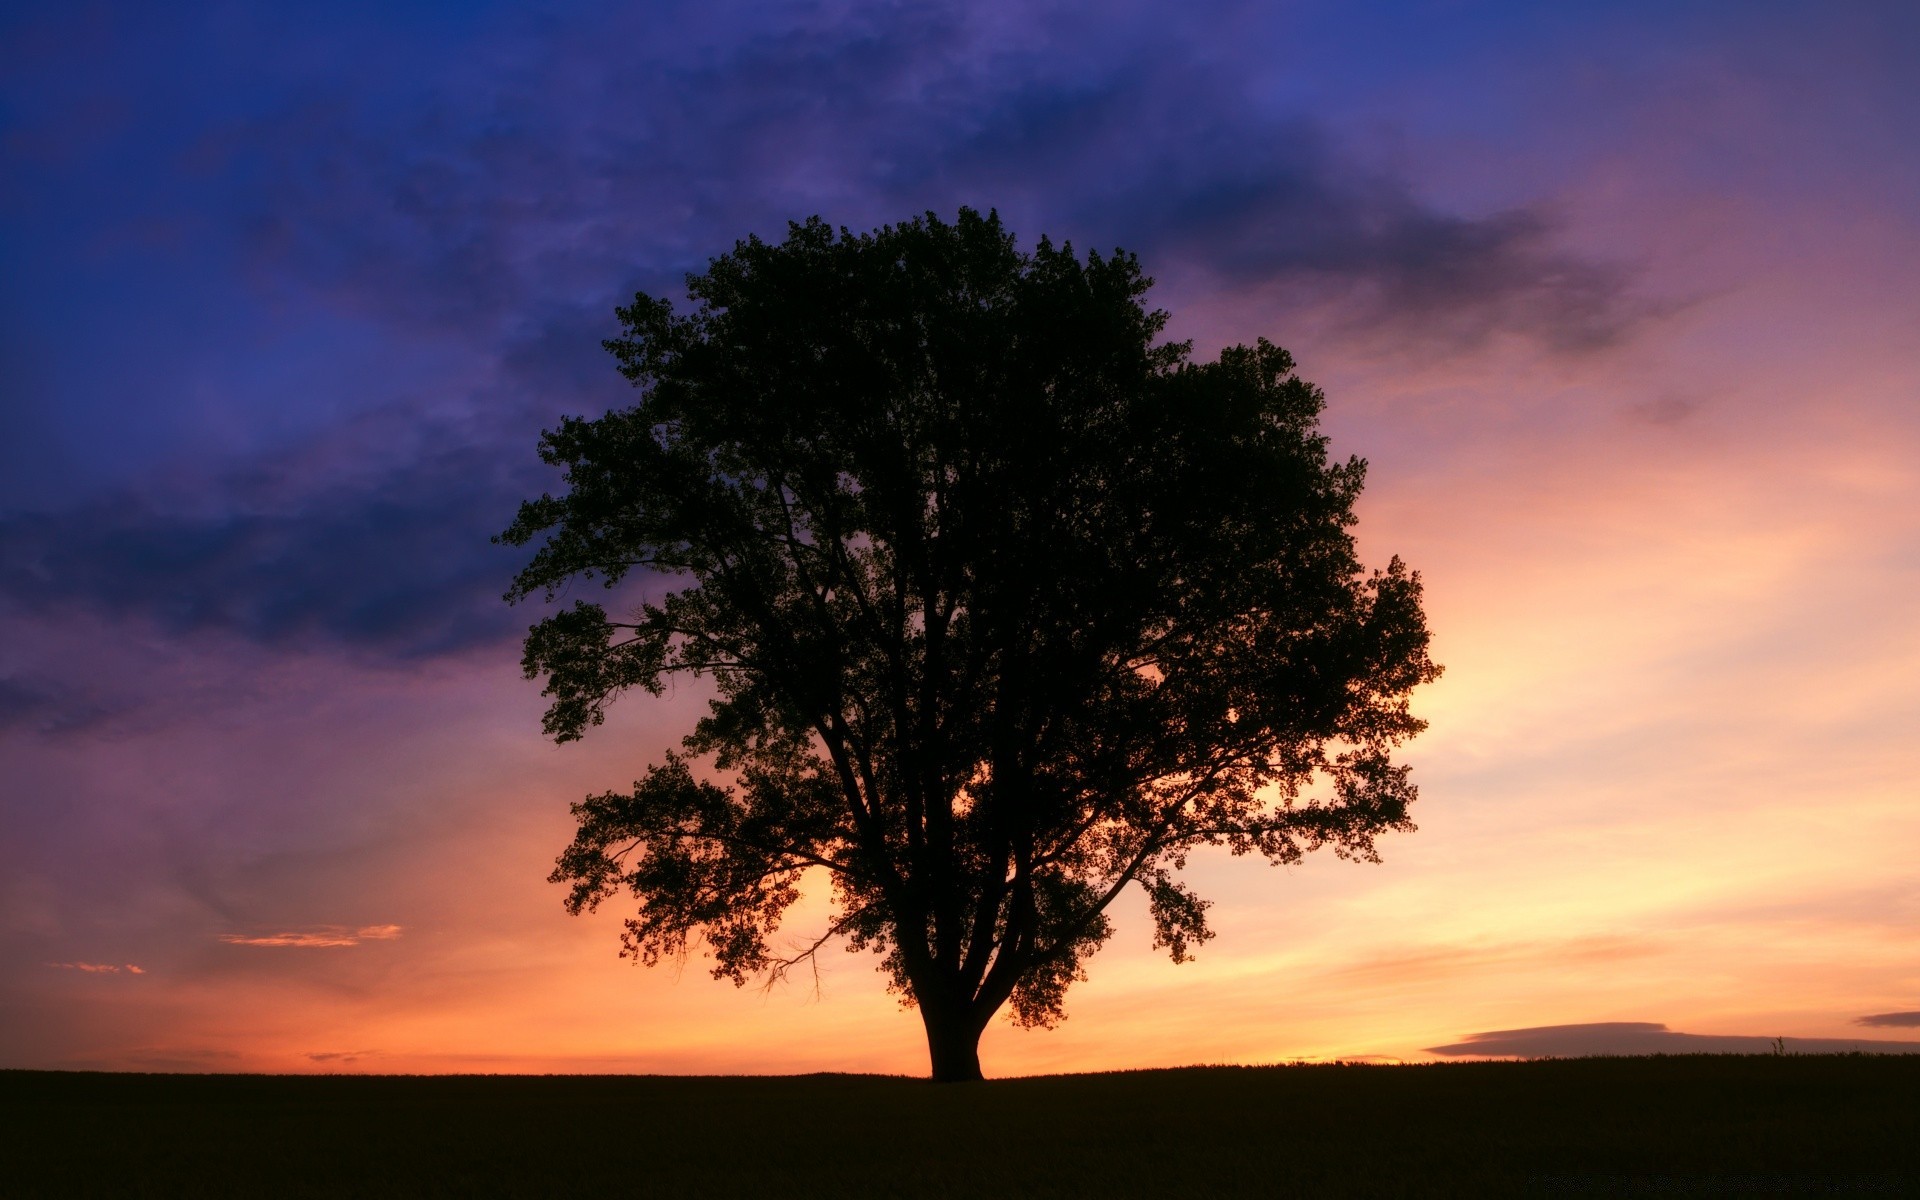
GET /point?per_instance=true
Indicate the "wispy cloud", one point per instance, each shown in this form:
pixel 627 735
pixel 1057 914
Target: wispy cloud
pixel 1426 964
pixel 341 1056
pixel 1645 1037
pixel 100 968
pixel 1899 1019
pixel 317 937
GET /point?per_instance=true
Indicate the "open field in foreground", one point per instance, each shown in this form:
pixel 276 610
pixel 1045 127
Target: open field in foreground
pixel 1688 1125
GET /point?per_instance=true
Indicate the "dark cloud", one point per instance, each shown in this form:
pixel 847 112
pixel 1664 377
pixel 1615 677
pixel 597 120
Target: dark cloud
pixel 604 154
pixel 49 706
pixel 1891 1020
pixel 1644 1037
pixel 1172 162
pixel 390 556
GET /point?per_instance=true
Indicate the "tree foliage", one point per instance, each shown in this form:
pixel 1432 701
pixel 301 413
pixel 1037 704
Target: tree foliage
pixel 1008 605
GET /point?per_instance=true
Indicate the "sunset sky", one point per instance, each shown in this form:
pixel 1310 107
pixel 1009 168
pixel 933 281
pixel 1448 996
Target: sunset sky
pixel 1621 302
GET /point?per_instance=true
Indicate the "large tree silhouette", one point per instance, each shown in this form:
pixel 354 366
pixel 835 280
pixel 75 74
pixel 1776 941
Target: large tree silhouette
pixel 1007 607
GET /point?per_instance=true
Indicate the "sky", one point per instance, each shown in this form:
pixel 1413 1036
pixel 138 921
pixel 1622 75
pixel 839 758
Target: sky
pixel 1616 299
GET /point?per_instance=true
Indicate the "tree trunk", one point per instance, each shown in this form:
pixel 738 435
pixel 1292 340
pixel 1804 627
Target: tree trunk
pixel 953 1043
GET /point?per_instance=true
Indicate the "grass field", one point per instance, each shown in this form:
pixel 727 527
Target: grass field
pixel 1684 1125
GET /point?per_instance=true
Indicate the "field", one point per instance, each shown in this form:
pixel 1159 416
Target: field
pixel 1684 1125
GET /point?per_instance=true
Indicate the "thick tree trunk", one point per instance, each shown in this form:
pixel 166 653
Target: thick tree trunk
pixel 953 1043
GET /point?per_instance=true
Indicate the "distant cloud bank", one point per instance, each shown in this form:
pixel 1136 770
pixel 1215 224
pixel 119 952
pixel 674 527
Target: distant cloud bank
pixel 1649 1037
pixel 1895 1019
pixel 100 968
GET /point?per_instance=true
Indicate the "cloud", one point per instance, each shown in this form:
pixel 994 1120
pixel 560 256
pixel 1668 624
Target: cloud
pixel 1899 1019
pixel 99 968
pixel 492 217
pixel 48 707
pixel 1254 200
pixel 578 169
pixel 1643 1037
pixel 1665 411
pixel 340 543
pixel 341 1056
pixel 167 1059
pixel 318 937
pixel 1442 961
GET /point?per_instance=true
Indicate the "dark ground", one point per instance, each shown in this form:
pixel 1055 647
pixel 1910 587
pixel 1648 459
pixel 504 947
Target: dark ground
pixel 1683 1125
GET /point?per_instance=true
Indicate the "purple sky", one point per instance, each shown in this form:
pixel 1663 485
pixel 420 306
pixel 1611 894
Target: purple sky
pixel 1617 298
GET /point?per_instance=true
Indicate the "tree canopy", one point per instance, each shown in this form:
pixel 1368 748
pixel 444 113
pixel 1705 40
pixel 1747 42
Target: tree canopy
pixel 1007 603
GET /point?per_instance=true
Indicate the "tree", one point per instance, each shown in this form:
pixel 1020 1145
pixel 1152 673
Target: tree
pixel 1006 604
